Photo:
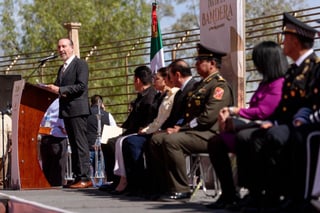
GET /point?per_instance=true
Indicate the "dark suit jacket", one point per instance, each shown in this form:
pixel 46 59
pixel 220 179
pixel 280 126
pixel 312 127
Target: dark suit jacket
pixel 92 124
pixel 73 91
pixel 179 105
pixel 143 111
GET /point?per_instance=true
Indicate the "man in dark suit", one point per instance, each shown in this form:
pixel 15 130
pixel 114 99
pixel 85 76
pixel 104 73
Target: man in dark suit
pixel 142 112
pixel 198 124
pixel 181 76
pixel 72 86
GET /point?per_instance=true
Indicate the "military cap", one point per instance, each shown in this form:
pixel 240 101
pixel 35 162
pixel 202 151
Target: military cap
pixel 294 26
pixel 208 53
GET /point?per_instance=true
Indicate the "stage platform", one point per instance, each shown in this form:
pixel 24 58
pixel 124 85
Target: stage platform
pixel 92 200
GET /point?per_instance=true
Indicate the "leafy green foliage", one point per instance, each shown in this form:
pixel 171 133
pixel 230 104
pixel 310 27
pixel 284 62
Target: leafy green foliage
pixel 8 34
pixel 101 21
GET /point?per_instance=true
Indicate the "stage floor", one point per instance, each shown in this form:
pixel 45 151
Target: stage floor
pixel 94 201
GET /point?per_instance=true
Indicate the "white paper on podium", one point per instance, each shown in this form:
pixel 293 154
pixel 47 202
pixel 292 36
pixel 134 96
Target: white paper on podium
pixel 110 132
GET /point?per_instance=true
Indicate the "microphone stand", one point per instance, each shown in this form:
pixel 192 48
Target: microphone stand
pixel 3 163
pixel 4 155
pixel 37 68
pixel 99 177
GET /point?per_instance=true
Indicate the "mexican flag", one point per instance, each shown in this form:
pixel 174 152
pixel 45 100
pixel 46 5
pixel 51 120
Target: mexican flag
pixel 156 53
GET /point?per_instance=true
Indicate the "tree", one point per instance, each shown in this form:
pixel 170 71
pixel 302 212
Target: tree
pixel 101 21
pixel 8 33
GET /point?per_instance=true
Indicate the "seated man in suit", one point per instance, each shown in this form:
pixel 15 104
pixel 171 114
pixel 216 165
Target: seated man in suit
pixel 134 146
pixel 142 112
pixel 181 76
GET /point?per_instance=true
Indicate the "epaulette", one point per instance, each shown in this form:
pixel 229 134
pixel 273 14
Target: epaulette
pixel 208 80
pixel 220 78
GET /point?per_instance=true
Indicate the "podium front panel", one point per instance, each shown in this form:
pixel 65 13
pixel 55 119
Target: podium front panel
pixel 27 115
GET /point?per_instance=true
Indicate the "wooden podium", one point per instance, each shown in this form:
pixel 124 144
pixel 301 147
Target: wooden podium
pixel 29 103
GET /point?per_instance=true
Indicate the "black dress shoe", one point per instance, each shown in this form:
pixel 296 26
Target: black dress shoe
pixel 134 192
pixel 176 196
pixel 116 192
pixel 152 197
pixel 107 187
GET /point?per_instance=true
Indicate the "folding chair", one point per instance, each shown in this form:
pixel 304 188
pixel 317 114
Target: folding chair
pixel 315 192
pixel 207 179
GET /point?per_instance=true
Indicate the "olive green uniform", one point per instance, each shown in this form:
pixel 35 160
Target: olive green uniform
pixel 200 123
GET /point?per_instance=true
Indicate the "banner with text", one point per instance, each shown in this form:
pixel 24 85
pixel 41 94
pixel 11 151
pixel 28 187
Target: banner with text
pixel 222 28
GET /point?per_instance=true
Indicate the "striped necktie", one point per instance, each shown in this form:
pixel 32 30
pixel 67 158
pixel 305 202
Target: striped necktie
pixel 63 69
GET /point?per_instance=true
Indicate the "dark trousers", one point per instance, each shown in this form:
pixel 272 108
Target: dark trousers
pixel 262 158
pixel 218 152
pixel 109 159
pixel 133 148
pixel 157 169
pixel 298 160
pixel 77 133
pixel 54 158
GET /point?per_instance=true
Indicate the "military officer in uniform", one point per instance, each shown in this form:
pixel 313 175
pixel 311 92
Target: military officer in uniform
pixel 269 147
pixel 197 126
pixel 303 172
pixel 306 123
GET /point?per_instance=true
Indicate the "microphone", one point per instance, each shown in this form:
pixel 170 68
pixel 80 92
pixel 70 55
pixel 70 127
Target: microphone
pixel 47 58
pixel 8 110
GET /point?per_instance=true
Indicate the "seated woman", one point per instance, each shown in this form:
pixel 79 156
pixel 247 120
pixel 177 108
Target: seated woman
pixel 165 87
pixel 271 63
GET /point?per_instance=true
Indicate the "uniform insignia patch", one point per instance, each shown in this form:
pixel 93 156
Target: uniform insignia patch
pixel 218 93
